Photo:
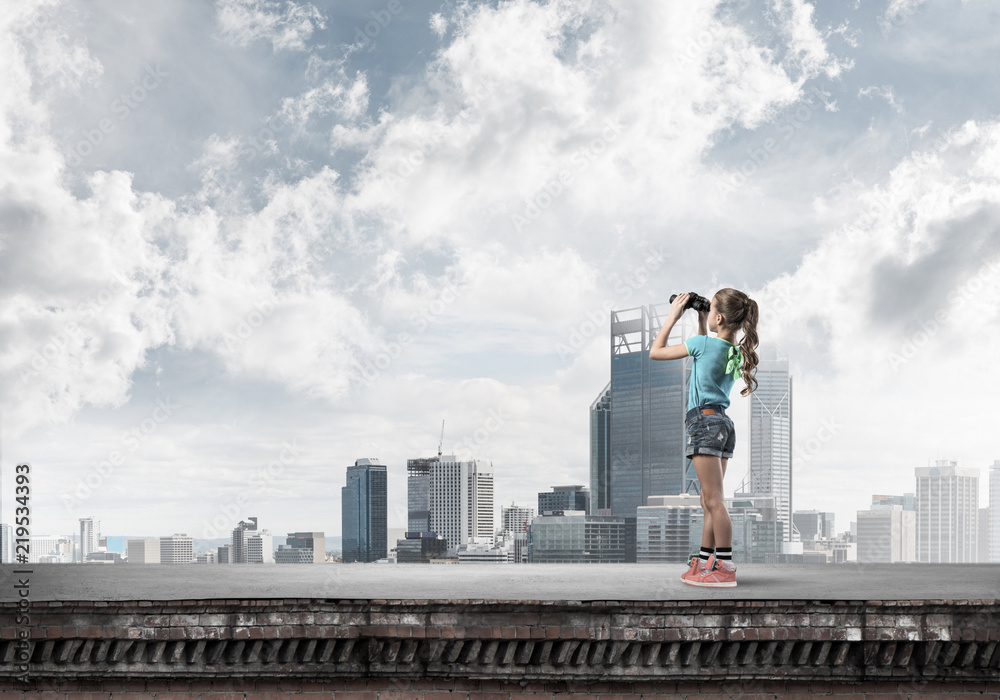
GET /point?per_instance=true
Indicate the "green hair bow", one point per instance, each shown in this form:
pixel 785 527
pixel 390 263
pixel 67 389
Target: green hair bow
pixel 735 362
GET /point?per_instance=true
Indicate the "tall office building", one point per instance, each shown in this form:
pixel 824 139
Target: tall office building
pixel 600 451
pixel 418 495
pixel 770 472
pixel 90 535
pixel 648 404
pixel 238 542
pixel 176 549
pixel 947 513
pixel 574 497
pixel 364 512
pixel 994 528
pixel 461 500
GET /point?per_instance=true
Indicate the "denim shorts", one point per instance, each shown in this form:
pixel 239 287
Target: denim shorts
pixel 709 434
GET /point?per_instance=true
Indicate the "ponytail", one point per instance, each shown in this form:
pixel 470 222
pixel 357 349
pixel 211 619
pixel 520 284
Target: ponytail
pixel 740 313
pixel 747 348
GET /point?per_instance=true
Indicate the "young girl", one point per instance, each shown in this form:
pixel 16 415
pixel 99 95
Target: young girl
pixel 718 363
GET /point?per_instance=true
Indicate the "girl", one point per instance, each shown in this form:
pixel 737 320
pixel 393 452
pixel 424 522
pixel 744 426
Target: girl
pixel 718 363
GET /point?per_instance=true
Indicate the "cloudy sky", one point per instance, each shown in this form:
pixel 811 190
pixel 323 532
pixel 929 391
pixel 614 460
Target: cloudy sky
pixel 247 242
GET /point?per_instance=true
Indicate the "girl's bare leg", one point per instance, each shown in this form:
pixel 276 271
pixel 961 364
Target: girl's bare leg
pixel 718 528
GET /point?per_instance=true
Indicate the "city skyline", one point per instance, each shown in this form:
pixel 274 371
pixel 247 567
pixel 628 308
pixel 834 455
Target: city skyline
pixel 244 244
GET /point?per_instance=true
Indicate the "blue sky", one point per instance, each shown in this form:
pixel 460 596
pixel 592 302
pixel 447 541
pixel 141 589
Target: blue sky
pixel 217 218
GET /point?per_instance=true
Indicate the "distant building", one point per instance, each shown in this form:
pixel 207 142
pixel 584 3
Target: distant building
pixel 907 501
pixel 113 543
pixel 648 403
pixel 480 552
pixel 575 497
pixel 90 534
pixel 515 518
pixel 947 513
pixel 886 534
pixel 664 529
pixel 176 549
pixel 461 500
pixel 364 512
pixel 418 494
pixel 103 557
pixel 49 549
pixel 814 525
pixel 770 472
pixel 514 546
pixel 144 551
pixel 237 544
pixel 302 548
pixel 575 537
pixel 757 533
pixel 260 547
pixel 224 554
pixel 208 557
pixel 994 529
pixel 420 548
pixel 393 535
pixel 512 539
pixel 600 451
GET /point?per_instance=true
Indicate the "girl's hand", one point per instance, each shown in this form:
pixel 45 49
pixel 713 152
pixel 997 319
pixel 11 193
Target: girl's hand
pixel 677 308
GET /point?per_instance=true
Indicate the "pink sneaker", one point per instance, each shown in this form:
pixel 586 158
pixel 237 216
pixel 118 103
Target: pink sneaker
pixel 695 568
pixel 718 573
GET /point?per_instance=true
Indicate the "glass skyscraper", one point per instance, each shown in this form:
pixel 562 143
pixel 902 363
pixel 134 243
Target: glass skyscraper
pixel 600 451
pixel 364 512
pixel 771 435
pixel 418 497
pixel 648 403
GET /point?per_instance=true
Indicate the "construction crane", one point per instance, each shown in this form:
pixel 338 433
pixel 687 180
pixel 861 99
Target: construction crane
pixel 441 442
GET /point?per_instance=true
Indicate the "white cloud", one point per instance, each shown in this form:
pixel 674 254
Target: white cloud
pixel 892 319
pixel 511 109
pixel 438 24
pixel 898 13
pixel 885 92
pixel 335 94
pixel 287 25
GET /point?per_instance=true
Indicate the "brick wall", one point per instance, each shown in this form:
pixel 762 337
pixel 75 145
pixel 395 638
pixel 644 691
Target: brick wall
pixel 472 689
pixel 488 642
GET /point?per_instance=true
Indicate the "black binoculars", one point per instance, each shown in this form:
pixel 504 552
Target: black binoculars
pixel 695 301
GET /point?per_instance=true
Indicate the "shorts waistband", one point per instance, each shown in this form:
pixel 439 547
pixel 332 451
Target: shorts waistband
pixel 719 410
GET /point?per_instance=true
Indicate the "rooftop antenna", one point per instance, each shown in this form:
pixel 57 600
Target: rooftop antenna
pixel 441 442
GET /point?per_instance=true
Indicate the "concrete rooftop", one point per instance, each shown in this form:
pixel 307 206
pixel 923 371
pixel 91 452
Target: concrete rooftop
pixel 583 582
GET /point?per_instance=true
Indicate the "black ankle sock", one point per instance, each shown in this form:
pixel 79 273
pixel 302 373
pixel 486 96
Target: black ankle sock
pixel 706 552
pixel 724 553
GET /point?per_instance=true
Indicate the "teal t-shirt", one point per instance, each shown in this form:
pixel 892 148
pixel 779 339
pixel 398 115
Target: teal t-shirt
pixel 710 385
